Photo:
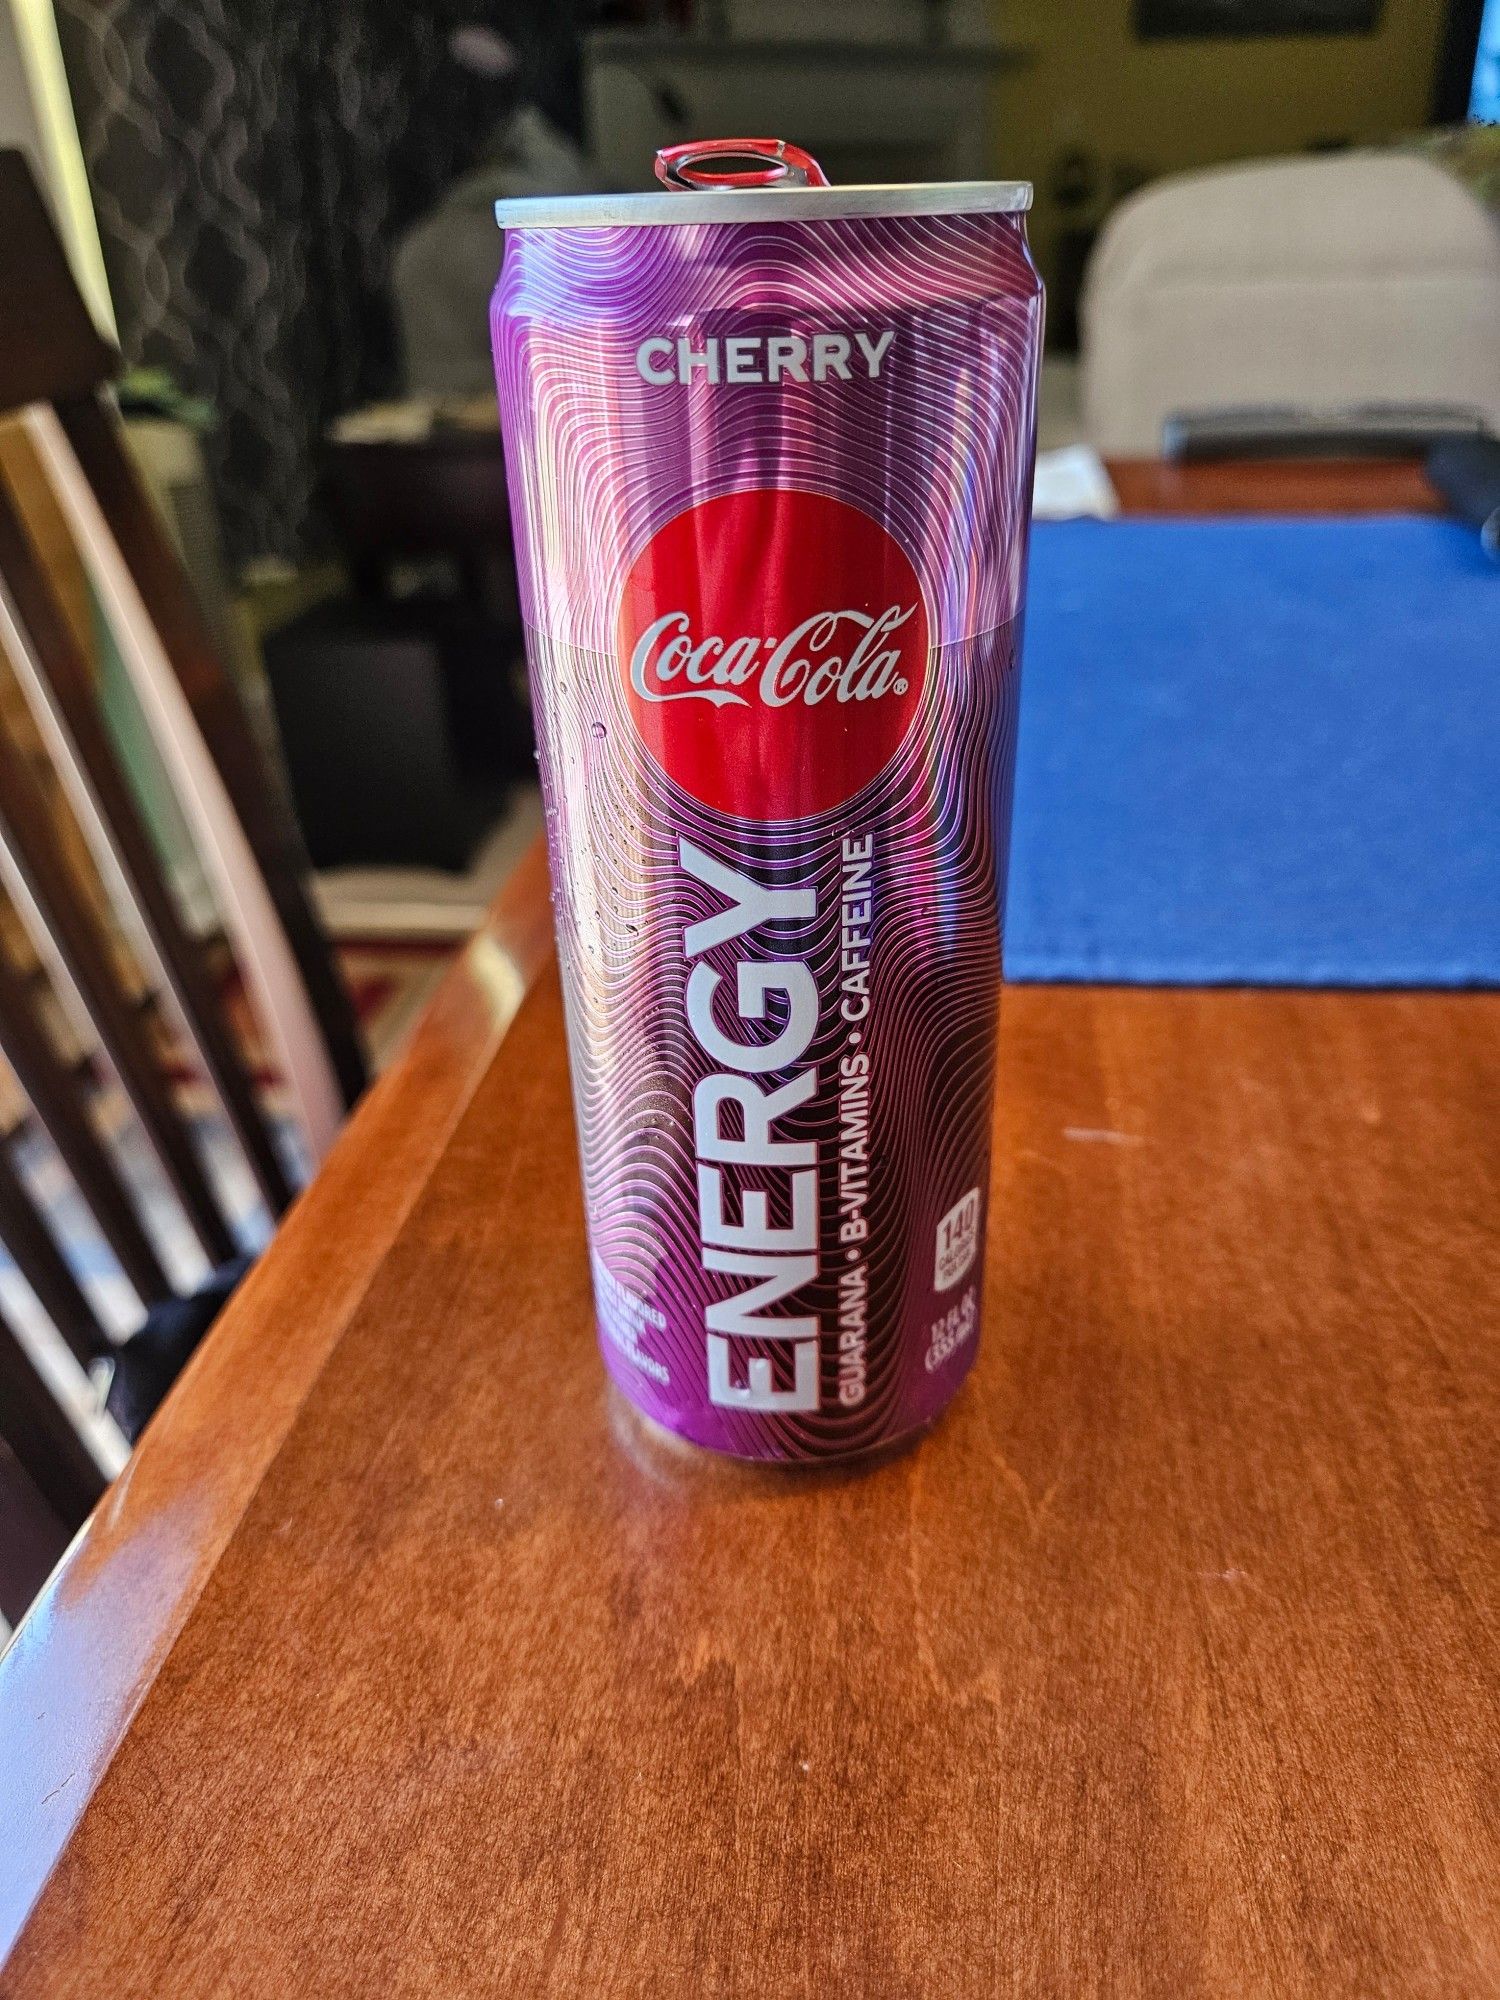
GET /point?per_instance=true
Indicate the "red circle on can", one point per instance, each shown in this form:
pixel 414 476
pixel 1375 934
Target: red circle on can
pixel 773 649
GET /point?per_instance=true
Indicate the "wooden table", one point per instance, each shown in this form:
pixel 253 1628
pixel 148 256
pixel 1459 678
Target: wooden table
pixel 402 1661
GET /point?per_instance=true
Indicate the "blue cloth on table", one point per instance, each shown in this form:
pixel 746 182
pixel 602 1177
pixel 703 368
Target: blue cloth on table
pixel 1259 751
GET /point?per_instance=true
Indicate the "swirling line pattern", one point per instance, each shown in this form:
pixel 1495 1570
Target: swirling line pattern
pixel 939 449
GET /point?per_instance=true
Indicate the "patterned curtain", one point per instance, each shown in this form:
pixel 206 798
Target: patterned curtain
pixel 252 162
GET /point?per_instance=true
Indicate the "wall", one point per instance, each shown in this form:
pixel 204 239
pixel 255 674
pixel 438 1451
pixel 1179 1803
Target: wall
pixel 17 120
pixel 1162 106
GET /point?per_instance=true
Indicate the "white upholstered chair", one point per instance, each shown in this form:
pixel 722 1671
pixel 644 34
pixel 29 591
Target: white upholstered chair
pixel 1354 278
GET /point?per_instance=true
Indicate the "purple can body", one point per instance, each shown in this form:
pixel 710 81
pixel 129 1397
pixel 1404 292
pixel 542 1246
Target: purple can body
pixel 770 481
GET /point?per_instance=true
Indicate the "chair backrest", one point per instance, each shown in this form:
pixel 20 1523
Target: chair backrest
pixel 54 372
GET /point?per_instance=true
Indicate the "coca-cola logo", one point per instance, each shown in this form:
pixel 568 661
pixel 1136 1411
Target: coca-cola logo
pixel 773 647
pixel 831 656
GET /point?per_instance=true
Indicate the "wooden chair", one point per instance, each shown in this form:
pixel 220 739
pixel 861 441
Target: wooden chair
pixel 54 372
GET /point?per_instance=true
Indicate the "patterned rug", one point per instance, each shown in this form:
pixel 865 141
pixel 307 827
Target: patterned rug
pixel 390 981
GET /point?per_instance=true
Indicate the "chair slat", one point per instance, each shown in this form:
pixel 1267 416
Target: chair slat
pixel 49 346
pixel 29 842
pixel 57 681
pixel 255 792
pixel 41 1435
pixel 52 1093
pixel 43 1266
pixel 54 373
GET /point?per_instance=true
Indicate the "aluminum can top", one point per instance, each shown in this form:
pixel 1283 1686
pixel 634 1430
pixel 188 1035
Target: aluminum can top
pixel 769 204
pixel 650 352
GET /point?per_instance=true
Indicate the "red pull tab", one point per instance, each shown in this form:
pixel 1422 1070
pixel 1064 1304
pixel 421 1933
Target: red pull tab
pixel 738 163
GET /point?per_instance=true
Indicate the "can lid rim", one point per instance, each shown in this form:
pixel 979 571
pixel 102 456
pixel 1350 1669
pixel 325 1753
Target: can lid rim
pixel 800 204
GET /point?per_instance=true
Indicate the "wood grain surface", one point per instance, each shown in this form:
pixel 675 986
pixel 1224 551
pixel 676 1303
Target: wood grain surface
pixel 405 1660
pixel 1162 1666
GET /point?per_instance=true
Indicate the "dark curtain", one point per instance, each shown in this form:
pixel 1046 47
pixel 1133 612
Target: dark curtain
pixel 252 162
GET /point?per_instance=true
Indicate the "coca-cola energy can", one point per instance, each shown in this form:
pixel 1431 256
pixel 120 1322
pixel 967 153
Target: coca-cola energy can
pixel 770 447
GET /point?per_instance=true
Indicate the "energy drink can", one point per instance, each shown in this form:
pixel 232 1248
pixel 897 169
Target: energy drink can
pixel 770 449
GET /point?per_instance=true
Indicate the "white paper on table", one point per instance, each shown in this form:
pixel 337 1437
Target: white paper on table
pixel 1072 484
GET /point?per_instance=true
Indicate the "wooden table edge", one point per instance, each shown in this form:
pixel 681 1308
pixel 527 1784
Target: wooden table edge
pixel 1313 486
pixel 85 1656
